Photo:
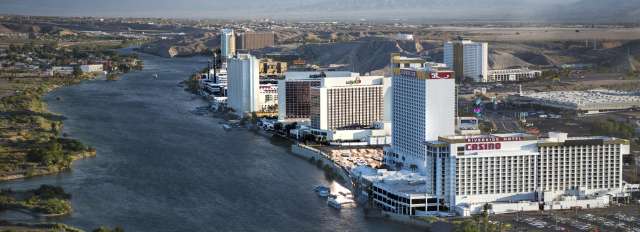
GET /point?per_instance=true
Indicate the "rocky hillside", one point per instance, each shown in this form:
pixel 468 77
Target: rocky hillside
pixel 368 54
pixel 184 47
pixel 363 55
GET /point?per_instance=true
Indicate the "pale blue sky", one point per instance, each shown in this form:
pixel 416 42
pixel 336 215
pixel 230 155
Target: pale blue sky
pixel 279 9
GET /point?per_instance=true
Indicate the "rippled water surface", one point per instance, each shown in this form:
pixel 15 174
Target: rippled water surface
pixel 161 168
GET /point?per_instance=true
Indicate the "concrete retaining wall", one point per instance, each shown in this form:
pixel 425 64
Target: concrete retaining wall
pixel 308 152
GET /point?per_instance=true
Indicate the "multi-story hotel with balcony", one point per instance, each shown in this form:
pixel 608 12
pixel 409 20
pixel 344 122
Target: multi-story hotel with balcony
pixel 518 172
pixel 294 101
pixel 351 108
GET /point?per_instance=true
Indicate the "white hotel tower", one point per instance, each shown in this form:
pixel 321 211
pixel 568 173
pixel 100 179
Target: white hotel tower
pixel 470 60
pixel 243 84
pixel 423 109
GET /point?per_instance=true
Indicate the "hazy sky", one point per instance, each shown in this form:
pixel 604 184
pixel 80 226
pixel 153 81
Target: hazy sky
pixel 298 9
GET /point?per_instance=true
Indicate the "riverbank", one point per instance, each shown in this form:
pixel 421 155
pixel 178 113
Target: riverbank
pixel 194 171
pixel 31 139
pixel 37 227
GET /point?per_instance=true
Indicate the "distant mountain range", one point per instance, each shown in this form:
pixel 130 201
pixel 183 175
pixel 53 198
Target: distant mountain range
pixel 432 10
pixel 598 11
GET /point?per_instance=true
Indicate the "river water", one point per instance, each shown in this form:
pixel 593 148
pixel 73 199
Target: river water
pixel 161 168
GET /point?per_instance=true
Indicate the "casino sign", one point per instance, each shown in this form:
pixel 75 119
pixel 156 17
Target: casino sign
pixel 483 146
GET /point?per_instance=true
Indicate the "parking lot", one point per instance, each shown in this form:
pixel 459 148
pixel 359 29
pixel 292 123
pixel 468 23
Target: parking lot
pixel 350 157
pixel 624 218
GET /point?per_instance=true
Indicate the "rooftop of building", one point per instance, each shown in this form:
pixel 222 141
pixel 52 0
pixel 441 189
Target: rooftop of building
pixel 465 41
pixel 486 138
pixel 301 75
pixel 424 73
pixel 512 70
pixel 553 138
pixel 354 81
pixel 243 56
pixel 404 59
pixel 559 138
pixel 403 182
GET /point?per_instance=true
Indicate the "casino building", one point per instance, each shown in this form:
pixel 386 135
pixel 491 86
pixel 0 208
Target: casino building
pixel 520 172
pixel 436 172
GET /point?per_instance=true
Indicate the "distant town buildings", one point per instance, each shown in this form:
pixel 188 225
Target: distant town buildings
pixel 90 68
pixel 254 40
pixel 468 59
pixel 243 84
pixel 14 35
pixel 227 43
pixel 62 70
pixel 404 36
pixel 520 74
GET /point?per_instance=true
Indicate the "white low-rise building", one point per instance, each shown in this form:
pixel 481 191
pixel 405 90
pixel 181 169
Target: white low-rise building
pixel 467 126
pixel 401 192
pixel 520 74
pixel 91 68
pixel 62 70
pixel 378 134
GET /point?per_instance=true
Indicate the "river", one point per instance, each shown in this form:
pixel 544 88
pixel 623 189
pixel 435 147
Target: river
pixel 161 168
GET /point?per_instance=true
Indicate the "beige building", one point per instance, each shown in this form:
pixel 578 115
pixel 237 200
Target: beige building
pixel 227 43
pixel 349 102
pixel 255 40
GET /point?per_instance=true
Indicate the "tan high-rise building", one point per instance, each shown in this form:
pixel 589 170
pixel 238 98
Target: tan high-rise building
pixel 255 40
pixel 227 43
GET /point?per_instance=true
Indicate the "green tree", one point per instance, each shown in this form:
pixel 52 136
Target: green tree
pixel 50 192
pixel 51 154
pixel 106 229
pixel 467 226
pixel 55 206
